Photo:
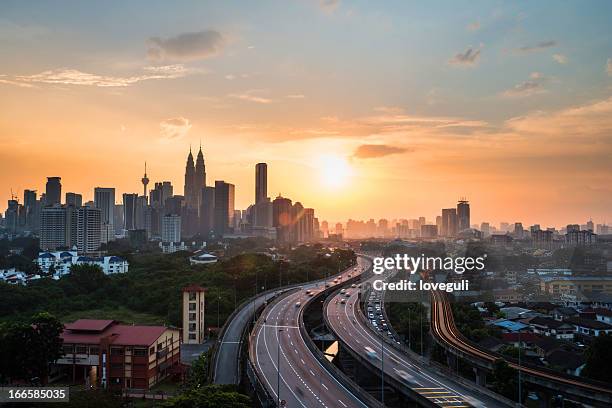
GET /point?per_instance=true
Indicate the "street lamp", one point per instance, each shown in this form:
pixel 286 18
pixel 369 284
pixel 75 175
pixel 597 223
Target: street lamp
pixel 278 369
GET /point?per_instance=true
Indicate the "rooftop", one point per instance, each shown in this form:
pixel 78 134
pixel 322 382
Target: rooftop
pixel 86 331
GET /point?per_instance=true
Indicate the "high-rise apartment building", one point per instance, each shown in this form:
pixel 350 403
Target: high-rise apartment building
pixel 58 227
pixel 74 199
pixel 193 314
pixel 261 182
pixel 89 229
pixel 171 228
pixel 224 207
pixel 53 191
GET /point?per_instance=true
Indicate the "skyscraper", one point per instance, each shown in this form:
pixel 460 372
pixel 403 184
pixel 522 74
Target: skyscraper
pixel 74 199
pixel 104 199
pixel 53 191
pixel 261 182
pixel 171 228
pixel 449 222
pixel 129 210
pixel 199 181
pixel 207 211
pixel 31 210
pixel 463 215
pixel 88 228
pixel 189 193
pixel 58 227
pixel 224 207
pixel 282 219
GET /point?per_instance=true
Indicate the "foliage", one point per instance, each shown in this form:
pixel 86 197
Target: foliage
pixel 27 348
pixel 505 379
pixel 470 323
pixel 599 359
pixel 408 319
pixel 209 396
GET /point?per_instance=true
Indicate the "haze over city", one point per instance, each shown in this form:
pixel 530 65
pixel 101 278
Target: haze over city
pixel 360 112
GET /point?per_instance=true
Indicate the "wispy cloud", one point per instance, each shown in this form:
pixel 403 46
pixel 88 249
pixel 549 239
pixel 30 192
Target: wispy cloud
pixel 371 151
pixel 534 85
pixel 67 76
pixel 469 57
pixel 329 6
pixel 251 96
pixel 560 58
pixel 186 46
pixel 536 47
pixel 174 128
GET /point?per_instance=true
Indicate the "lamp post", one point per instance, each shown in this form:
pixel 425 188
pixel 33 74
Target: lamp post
pixel 382 368
pixel 278 369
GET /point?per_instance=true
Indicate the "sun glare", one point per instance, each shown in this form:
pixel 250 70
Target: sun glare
pixel 335 171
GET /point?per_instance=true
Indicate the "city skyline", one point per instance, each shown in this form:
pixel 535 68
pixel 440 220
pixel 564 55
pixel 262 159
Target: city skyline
pixel 506 111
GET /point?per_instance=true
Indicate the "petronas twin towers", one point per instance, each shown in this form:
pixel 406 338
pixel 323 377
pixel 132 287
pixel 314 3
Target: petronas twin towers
pixel 195 180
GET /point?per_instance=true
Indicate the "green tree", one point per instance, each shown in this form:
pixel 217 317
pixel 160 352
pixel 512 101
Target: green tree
pixel 505 379
pixel 599 359
pixel 209 396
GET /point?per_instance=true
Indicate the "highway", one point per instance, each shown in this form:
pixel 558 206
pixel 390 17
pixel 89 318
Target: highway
pixel 358 335
pixel 276 342
pixel 443 326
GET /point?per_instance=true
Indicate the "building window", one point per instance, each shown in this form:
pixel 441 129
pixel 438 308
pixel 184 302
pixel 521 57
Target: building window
pixel 116 351
pixel 81 349
pixel 192 306
pixel 192 326
pixel 94 350
pixel 192 336
pixel 152 351
pixel 140 352
pixel 192 296
pixel 68 349
pixel 116 366
pixel 192 316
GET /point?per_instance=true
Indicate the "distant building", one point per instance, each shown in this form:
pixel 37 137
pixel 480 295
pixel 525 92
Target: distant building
pixel 429 231
pixel 104 199
pixel 501 239
pixel 282 219
pixel 193 314
pixel 171 228
pixel 74 199
pixel 463 215
pixel 60 262
pixel 576 237
pixel 224 207
pixel 449 222
pixel 572 285
pixel 53 191
pixel 88 236
pixel 58 227
pixel 109 355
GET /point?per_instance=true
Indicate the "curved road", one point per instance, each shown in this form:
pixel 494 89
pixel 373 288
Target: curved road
pixel 428 383
pixel 278 350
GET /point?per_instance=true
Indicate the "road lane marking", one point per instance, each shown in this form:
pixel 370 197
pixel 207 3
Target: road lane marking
pixel 342 403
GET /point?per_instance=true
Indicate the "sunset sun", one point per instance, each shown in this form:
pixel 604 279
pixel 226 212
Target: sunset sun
pixel 335 171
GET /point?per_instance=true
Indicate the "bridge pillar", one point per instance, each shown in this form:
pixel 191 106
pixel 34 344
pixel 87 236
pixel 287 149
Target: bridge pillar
pixel 451 360
pixel 481 376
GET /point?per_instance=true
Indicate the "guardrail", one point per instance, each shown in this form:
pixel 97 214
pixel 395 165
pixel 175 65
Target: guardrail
pixel 346 382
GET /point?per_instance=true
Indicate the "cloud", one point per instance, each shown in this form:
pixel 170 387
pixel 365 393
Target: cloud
pixel 370 151
pixel 609 66
pixel 251 96
pixel 534 85
pixel 296 96
pixel 560 58
pixel 468 58
pixel 329 6
pixel 65 76
pixel 174 128
pixel 537 47
pixel 186 46
pixel 475 26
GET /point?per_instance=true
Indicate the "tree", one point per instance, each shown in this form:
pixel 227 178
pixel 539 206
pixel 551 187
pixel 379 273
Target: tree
pixel 209 396
pixel 198 373
pixel 505 379
pixel 599 359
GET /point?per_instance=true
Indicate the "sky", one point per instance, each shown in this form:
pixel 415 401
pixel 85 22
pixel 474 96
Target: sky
pixel 361 109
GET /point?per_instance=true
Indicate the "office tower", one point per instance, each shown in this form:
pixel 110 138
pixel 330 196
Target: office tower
pixel 224 207
pixel 338 230
pixel 174 204
pixel 261 182
pixel 485 228
pixel 449 222
pixel 207 211
pixel 297 217
pixel 118 219
pixel 193 314
pixel 463 215
pixel 590 226
pixel 145 182
pixel 171 228
pixel 324 229
pixel 104 199
pixel 89 223
pixel 518 230
pixel 189 180
pixel 140 221
pixel 160 194
pixel 199 181
pixel 74 199
pixel 12 216
pixel 282 219
pixel 439 225
pixel 308 224
pixel 58 227
pixel 129 211
pixel 53 191
pixel 31 210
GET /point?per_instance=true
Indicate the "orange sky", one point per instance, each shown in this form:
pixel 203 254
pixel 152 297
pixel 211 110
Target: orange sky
pixel 520 126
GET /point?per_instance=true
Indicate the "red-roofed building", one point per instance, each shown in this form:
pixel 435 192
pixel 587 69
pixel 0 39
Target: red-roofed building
pixel 107 354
